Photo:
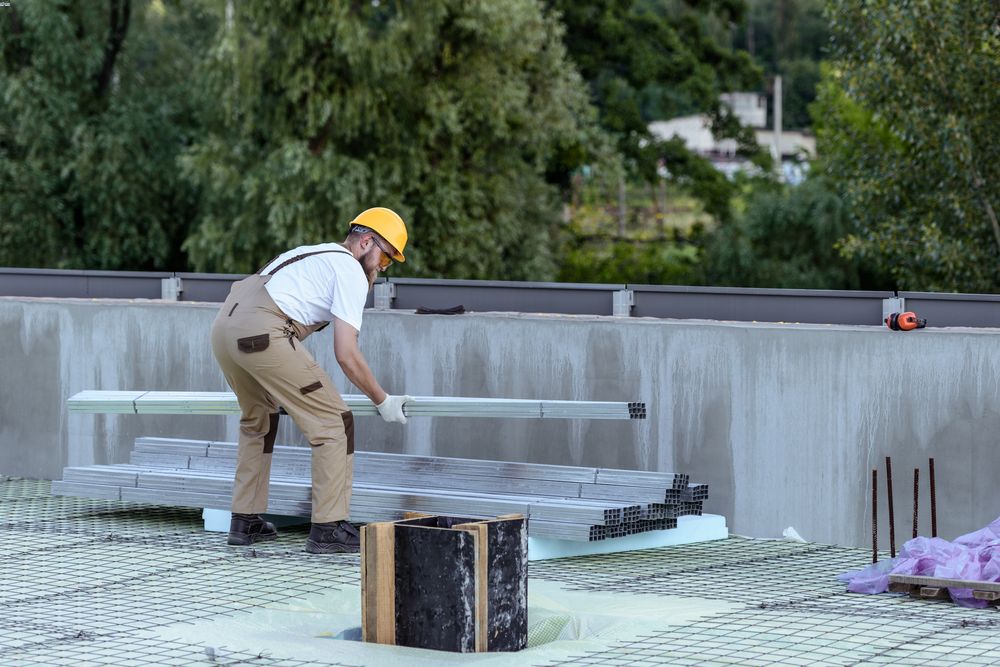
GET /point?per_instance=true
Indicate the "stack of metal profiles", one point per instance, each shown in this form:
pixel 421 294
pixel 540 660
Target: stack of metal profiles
pixel 224 403
pixel 562 502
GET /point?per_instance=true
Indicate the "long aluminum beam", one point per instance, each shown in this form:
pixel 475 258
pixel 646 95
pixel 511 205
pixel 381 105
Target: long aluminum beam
pixel 534 479
pixel 365 507
pixel 562 502
pixel 446 466
pixel 224 403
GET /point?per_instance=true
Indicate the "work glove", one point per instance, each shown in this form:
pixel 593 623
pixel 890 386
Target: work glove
pixel 391 409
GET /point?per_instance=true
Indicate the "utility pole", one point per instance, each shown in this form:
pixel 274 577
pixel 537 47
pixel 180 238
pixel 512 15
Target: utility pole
pixel 622 207
pixel 777 123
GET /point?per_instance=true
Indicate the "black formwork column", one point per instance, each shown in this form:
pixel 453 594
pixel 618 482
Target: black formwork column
pixel 446 583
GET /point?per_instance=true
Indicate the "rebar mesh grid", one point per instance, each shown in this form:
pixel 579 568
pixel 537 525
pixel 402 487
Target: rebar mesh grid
pixel 82 579
pixel 766 637
pixel 603 572
pixel 20 489
pixel 795 611
pixel 128 651
pixel 89 582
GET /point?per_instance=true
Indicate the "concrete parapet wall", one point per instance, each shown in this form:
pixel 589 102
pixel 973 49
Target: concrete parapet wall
pixel 783 421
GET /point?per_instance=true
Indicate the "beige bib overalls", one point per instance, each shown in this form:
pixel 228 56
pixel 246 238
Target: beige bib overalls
pixel 259 350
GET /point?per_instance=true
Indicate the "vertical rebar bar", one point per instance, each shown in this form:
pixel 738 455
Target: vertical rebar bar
pixel 916 498
pixel 933 501
pixel 892 518
pixel 874 515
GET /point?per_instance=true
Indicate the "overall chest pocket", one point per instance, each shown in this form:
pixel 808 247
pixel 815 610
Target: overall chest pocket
pixel 253 343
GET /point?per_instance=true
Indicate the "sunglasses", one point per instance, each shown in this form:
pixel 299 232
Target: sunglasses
pixel 386 255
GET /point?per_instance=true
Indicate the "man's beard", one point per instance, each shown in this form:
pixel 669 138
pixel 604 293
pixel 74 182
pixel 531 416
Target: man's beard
pixel 370 266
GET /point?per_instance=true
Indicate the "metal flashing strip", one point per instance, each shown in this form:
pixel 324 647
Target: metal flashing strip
pixel 224 403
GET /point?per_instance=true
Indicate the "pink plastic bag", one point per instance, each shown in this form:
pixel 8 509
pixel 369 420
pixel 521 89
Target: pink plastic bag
pixel 975 557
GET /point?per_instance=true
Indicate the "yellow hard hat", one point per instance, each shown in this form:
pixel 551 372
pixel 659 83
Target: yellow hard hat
pixel 388 225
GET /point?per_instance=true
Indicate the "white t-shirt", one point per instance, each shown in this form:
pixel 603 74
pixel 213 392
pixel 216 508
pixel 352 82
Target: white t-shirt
pixel 317 288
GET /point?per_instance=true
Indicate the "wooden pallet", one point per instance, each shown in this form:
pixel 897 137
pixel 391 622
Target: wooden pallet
pixel 936 588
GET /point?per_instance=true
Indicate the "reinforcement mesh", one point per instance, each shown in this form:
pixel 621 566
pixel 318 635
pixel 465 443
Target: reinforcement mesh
pixel 131 650
pixel 89 581
pixel 794 611
pixel 83 580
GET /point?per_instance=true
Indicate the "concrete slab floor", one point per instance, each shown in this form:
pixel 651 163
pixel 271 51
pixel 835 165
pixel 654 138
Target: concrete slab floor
pixel 90 582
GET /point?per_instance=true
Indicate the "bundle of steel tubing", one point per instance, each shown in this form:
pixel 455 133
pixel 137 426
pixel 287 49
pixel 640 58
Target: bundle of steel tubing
pixel 554 497
pixel 224 403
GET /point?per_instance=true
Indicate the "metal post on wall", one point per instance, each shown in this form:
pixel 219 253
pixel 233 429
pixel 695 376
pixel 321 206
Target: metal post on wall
pixel 385 293
pixel 171 288
pixel 623 301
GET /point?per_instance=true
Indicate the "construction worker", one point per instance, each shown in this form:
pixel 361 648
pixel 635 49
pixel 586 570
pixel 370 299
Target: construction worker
pixel 257 340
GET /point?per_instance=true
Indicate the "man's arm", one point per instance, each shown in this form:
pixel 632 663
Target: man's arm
pixel 352 362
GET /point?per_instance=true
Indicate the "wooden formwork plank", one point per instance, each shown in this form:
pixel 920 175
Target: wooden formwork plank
pixel 378 583
pixel 386 583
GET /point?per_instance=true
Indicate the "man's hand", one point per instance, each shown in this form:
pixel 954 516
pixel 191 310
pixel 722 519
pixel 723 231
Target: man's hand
pixel 391 409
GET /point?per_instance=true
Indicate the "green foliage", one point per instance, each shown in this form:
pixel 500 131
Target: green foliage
pixel 665 262
pixel 666 56
pixel 790 38
pixel 700 178
pixel 646 60
pixel 800 78
pixel 780 30
pixel 450 112
pixel 92 116
pixel 909 127
pixel 787 237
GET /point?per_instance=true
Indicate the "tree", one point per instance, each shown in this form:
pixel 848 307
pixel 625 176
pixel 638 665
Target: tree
pixel 93 112
pixel 790 38
pixel 631 262
pixel 787 237
pixel 910 134
pixel 645 60
pixel 449 112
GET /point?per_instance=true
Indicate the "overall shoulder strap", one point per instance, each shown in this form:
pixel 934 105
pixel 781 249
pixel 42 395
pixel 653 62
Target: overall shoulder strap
pixel 297 258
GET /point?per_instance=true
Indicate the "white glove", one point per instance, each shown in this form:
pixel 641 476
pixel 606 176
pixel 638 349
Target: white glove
pixel 391 409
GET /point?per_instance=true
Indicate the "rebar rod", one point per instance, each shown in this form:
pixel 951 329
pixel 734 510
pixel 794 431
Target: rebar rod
pixel 874 515
pixel 916 498
pixel 892 524
pixel 933 500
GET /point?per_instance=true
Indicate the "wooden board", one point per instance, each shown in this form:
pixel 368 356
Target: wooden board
pixel 378 583
pixel 936 588
pixel 938 582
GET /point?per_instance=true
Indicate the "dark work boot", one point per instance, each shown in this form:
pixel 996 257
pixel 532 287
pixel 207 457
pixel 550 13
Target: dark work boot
pixel 336 537
pixel 245 529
